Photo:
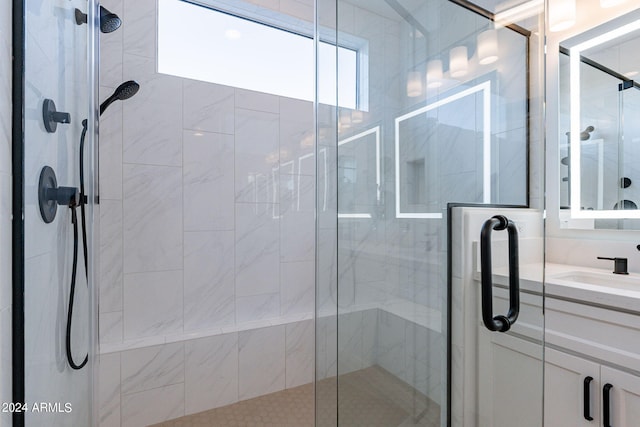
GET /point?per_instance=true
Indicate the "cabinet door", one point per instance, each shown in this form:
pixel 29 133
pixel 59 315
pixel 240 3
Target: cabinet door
pixel 624 399
pixel 564 390
pixel 509 381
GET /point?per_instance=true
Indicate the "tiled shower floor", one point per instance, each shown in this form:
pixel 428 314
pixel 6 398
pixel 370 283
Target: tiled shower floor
pixel 370 398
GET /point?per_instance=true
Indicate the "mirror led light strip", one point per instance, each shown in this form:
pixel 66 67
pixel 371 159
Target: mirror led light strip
pixel 574 140
pixel 485 88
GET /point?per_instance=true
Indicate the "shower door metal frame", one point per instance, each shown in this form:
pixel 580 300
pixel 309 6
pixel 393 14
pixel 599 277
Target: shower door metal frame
pixel 17 241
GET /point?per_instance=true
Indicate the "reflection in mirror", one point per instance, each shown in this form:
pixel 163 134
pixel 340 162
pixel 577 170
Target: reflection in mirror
pixel 432 139
pixel 359 183
pixel 598 127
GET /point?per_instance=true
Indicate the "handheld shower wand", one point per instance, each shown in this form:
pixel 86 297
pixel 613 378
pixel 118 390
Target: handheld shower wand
pixel 124 91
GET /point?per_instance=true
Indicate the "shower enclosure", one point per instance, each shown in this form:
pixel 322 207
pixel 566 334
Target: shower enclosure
pixel 292 202
pixel 54 91
pixel 445 116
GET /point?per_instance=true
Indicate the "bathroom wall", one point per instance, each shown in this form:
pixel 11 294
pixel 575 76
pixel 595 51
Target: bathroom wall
pixel 206 235
pixel 5 207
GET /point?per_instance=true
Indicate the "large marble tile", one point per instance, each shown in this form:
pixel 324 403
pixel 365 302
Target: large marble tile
pixel 297 219
pixel 252 100
pixel 111 50
pixel 257 250
pixel 261 359
pixel 510 108
pixel 139 27
pixel 152 367
pixel 299 353
pixel 152 303
pixel 152 218
pixel 152 120
pixel 208 181
pixel 511 167
pixel 209 286
pixel 297 287
pixel 110 149
pixel 297 193
pixel 391 343
pixel 211 372
pixel 109 390
pixel 327 347
pixel 297 236
pixel 153 406
pixel 425 352
pixel 369 336
pixel 350 334
pixel 45 299
pixel 257 156
pixel 257 307
pixel 208 107
pixel 110 256
pixel 110 327
pixel 297 132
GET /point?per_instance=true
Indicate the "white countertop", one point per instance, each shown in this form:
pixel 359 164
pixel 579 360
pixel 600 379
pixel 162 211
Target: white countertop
pixel 623 293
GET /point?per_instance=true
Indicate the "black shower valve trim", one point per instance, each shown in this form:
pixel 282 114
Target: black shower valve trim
pixel 51 116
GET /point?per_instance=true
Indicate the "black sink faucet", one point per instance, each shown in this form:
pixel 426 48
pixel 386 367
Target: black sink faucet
pixel 619 265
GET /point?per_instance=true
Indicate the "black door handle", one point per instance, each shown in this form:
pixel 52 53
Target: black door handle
pixel 587 398
pixel 499 323
pixel 606 405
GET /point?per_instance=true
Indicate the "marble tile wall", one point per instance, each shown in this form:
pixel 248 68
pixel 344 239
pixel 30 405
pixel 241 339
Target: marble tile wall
pixel 156 383
pixel 5 208
pixel 204 198
pixel 206 223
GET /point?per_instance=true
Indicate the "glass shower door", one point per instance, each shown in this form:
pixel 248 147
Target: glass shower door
pixel 628 194
pixel 54 295
pixel 429 138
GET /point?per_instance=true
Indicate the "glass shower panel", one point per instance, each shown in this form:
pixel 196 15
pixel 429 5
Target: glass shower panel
pixel 441 118
pixel 58 346
pixel 629 196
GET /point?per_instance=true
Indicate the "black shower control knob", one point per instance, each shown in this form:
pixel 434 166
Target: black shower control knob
pixel 52 117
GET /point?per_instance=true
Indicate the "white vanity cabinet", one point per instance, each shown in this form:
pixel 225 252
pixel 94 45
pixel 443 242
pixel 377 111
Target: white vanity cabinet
pixel 575 391
pixel 564 389
pixel 599 345
pixel 624 396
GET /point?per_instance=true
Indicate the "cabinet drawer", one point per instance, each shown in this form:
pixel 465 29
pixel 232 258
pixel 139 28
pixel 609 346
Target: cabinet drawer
pixel 600 333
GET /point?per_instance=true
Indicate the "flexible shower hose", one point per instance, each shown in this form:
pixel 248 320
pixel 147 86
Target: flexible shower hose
pixel 74 268
pixel 72 291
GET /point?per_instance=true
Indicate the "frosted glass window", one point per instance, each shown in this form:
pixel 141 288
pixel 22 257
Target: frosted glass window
pixel 204 44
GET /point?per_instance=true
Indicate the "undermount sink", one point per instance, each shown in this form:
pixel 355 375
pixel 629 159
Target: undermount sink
pixel 620 281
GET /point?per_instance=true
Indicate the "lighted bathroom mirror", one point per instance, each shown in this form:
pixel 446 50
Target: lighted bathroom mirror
pixel 599 126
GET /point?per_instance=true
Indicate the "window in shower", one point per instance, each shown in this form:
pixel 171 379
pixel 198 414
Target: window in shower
pixel 205 44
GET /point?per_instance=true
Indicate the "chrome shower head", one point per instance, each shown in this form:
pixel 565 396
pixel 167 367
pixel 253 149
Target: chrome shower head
pixel 123 92
pixel 109 21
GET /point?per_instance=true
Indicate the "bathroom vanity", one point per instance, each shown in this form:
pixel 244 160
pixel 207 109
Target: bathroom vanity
pixel 591 344
pixel 592 354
